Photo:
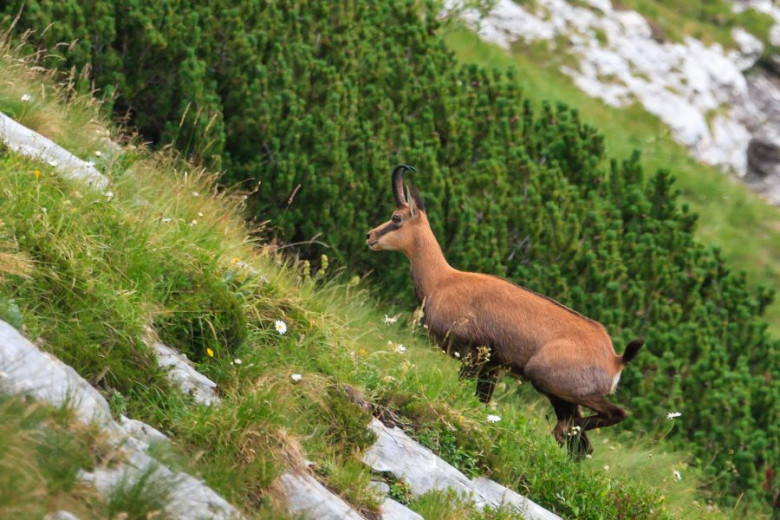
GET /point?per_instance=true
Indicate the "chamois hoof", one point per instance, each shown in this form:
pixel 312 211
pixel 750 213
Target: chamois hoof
pixel 579 446
pixel 577 443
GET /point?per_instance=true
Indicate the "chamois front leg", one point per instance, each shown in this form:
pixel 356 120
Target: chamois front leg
pixel 486 384
pixel 487 377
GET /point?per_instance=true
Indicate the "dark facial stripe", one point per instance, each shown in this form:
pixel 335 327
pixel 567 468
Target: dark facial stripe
pixel 388 228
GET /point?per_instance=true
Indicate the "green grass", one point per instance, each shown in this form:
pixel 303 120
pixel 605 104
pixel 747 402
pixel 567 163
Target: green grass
pixel 731 217
pixel 94 278
pixel 42 451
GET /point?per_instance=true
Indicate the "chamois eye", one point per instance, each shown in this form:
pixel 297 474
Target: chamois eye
pixel 396 219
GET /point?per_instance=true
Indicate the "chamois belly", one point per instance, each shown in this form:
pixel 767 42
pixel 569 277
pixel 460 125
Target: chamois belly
pixel 472 344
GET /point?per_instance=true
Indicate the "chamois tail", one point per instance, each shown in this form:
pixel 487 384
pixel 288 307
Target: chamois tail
pixel 632 350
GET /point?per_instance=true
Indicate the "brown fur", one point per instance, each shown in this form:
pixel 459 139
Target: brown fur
pixel 565 355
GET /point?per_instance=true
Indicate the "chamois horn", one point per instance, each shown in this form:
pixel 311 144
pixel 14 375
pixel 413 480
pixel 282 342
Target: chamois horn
pixel 398 183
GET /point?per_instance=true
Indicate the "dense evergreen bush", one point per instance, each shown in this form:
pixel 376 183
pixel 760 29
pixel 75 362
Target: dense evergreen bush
pixel 316 100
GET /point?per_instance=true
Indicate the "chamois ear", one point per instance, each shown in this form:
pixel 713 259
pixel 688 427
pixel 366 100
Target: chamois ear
pixel 412 203
pixel 417 199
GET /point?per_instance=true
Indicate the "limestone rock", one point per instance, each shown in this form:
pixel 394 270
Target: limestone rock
pixel 182 374
pixel 24 369
pixel 187 497
pixel 60 515
pixel 309 499
pixel 392 510
pixel 764 162
pixel 396 453
pixel 750 48
pixel 31 144
pixel 141 431
pixel 698 91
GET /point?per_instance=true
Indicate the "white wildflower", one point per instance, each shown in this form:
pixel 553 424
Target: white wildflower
pixel 493 418
pixel 673 415
pixel 98 153
pixel 400 348
pixel 26 98
pixel 200 213
pixel 109 195
pixel 193 222
pixel 280 326
pixel 296 377
pixel 53 164
pixel 165 220
pixel 677 475
pixel 390 320
pixel 457 355
pixel 237 361
pixel 606 468
pixel 195 194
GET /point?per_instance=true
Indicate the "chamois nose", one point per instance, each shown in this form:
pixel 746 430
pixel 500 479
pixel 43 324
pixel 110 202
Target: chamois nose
pixel 368 235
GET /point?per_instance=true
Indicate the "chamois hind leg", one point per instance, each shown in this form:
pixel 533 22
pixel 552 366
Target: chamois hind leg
pixel 577 442
pixel 607 413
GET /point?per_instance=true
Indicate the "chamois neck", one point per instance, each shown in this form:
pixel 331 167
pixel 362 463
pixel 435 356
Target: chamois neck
pixel 428 263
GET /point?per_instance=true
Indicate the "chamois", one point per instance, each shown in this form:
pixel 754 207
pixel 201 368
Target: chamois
pixel 491 325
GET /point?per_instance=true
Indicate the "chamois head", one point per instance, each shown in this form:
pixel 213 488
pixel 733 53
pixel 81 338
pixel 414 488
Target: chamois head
pixel 398 233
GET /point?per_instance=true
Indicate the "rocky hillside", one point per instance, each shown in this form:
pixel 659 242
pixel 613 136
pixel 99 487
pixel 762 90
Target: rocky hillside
pixel 720 99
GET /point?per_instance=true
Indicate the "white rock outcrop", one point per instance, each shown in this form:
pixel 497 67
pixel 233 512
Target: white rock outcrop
pixel 25 369
pixel 182 374
pixel 397 453
pixel 308 498
pixel 32 144
pixel 699 91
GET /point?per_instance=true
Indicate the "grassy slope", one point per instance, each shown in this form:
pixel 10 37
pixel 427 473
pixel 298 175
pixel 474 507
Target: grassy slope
pixel 86 273
pixel 731 217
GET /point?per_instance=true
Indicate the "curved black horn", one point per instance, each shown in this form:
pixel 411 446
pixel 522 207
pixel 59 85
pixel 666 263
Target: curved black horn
pixel 398 181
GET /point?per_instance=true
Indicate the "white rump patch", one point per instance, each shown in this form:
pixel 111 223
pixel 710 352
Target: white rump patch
pixel 615 382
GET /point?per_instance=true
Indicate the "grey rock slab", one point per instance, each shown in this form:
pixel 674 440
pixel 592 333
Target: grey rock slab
pixel 182 373
pixel 703 93
pixel 60 515
pixel 311 500
pixel 392 510
pixel 382 487
pixel 187 498
pixel 750 48
pixel 31 144
pixel 25 369
pixel 397 453
pixel 499 495
pixel 141 431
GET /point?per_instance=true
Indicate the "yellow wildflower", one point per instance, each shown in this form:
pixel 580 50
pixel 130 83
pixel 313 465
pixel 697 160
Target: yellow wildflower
pixel 210 352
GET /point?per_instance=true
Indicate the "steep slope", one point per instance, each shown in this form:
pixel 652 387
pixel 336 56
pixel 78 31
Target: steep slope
pixel 96 277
